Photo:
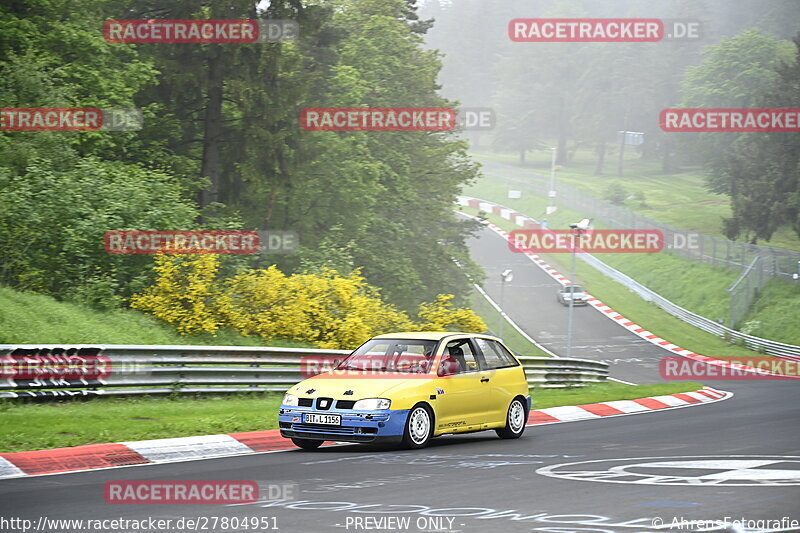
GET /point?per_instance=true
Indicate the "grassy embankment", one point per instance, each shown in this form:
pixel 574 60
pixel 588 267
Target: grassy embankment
pixel 37 319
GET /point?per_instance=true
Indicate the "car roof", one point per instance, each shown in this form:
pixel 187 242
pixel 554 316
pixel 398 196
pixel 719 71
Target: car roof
pixel 426 335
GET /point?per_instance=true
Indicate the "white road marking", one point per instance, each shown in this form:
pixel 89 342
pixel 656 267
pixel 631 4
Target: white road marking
pixel 187 447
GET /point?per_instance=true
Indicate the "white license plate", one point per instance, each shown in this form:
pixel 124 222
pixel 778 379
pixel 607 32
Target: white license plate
pixel 328 420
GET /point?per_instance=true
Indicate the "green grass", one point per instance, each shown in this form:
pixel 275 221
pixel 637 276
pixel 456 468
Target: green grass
pixel 37 426
pixel 511 336
pixel 698 287
pixel 679 199
pixel 37 319
pixel 776 313
pixel 606 392
pixel 635 308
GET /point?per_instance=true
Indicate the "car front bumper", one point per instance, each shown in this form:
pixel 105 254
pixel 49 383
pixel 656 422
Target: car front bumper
pixel 357 426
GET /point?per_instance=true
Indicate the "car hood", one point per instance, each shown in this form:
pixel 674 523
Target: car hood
pixel 327 385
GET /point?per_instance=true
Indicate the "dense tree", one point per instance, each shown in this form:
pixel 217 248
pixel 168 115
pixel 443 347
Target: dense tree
pixel 761 171
pixel 222 142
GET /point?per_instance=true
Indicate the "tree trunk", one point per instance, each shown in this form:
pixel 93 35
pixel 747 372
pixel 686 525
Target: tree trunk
pixel 601 158
pixel 212 135
pixel 270 205
pixel 561 153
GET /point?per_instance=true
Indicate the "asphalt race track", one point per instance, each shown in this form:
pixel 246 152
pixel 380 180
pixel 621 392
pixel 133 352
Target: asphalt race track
pixel 733 459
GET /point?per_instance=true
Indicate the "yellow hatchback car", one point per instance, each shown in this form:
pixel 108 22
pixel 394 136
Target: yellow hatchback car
pixel 408 388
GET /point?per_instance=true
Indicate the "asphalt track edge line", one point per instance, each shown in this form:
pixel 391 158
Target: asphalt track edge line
pixel 512 323
pixel 522 332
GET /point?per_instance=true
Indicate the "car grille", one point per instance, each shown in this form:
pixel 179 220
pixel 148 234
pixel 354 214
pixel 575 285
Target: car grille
pixel 333 430
pixel 340 404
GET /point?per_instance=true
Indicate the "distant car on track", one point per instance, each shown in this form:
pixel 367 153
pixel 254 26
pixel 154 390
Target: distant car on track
pixel 570 291
pixel 407 388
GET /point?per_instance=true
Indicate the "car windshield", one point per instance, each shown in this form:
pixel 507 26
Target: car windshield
pixel 573 288
pixel 409 356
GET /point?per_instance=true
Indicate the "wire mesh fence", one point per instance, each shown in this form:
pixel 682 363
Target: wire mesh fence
pixel 744 290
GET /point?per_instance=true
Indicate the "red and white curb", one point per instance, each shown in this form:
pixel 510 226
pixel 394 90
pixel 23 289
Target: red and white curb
pixel 527 222
pixel 119 454
pixel 572 413
pixel 123 454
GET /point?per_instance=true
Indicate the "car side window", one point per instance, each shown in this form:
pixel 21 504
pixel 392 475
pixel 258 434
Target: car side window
pixel 459 358
pixel 495 354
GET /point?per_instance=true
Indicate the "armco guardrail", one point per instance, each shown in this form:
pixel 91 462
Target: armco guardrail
pixel 53 371
pixel 758 344
pixel 551 372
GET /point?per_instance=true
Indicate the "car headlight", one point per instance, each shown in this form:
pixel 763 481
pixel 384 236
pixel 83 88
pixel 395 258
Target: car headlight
pixel 290 400
pixel 372 403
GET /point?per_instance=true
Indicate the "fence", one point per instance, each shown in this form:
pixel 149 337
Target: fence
pixel 777 262
pixel 52 371
pixel 744 290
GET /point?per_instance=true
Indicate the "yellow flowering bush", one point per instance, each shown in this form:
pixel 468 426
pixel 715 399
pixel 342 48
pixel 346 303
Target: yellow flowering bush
pixel 441 315
pixel 323 308
pixel 184 294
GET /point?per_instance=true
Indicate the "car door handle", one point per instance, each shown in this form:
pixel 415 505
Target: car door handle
pixel 484 380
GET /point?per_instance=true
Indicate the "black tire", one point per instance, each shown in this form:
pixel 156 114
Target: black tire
pixel 516 416
pixel 307 444
pixel 419 427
